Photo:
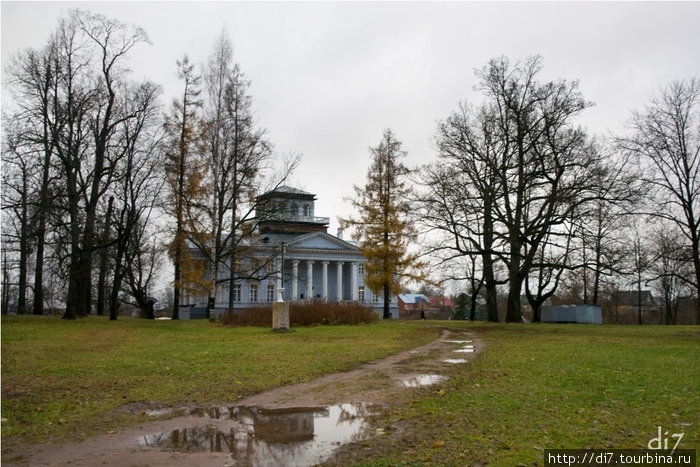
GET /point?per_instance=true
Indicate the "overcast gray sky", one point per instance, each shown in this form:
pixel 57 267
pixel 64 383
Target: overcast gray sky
pixel 328 78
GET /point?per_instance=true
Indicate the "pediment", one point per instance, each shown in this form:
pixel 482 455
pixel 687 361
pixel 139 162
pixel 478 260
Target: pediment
pixel 321 241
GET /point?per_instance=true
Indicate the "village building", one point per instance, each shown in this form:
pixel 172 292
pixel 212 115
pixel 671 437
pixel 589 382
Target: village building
pixel 305 262
pixel 419 306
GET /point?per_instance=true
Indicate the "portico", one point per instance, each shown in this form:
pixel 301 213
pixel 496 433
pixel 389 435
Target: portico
pixel 311 279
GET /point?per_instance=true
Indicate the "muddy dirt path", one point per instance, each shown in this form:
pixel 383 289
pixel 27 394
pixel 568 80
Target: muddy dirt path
pixel 294 425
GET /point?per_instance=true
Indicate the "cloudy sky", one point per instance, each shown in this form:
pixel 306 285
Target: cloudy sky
pixel 328 78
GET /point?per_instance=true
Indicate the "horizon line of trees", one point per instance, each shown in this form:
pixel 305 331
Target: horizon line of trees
pixel 102 184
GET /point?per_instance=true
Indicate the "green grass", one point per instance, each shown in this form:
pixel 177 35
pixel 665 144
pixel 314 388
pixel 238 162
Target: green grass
pixel 535 387
pixel 544 386
pixel 63 379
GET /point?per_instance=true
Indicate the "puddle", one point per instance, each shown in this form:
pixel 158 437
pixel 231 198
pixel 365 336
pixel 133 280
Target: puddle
pixel 469 341
pixel 455 360
pixel 258 436
pixel 422 380
pixel 467 349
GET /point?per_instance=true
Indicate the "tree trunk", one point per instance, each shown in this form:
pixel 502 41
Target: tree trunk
pixel 232 278
pixel 472 311
pixel 75 303
pixel 515 285
pixel 536 310
pixel 38 307
pixel 116 282
pixel 102 277
pixel 42 213
pixel 85 263
pixel 72 299
pixel 639 301
pixel 387 300
pixel 487 260
pixel 5 289
pixel 23 251
pixel 514 313
pixel 176 289
pixel 490 287
pixel 696 264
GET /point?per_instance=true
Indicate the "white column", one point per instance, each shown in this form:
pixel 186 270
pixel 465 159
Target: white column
pixel 353 282
pixel 295 280
pixel 309 280
pixel 339 294
pixel 279 280
pixel 324 286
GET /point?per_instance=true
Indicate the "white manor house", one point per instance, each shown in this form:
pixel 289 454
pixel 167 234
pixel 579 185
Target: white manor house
pixel 316 265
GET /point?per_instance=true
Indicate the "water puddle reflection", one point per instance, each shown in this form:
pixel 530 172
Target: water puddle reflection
pixel 468 341
pixel 258 436
pixel 455 360
pixel 422 380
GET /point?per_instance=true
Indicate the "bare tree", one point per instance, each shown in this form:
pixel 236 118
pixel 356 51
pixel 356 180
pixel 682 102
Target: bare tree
pixel 185 178
pixel 137 191
pixel 74 110
pixel 33 79
pixel 455 209
pixel 547 268
pixel 75 85
pixel 144 257
pixel 543 163
pixel 18 182
pixel 666 138
pixel 639 262
pixel 112 41
pixel 599 224
pixel 519 162
pixel 670 268
pixel 238 154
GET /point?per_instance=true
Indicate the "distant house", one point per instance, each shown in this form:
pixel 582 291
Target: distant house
pixel 317 265
pixel 410 305
pixel 631 298
pixel 417 306
pixel 442 306
pixel 624 307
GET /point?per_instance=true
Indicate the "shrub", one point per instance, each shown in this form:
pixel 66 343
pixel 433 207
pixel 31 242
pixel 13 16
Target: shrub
pixel 248 317
pixel 305 314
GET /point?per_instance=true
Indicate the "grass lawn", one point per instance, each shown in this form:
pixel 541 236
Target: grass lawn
pixel 535 387
pixel 63 379
pixel 542 386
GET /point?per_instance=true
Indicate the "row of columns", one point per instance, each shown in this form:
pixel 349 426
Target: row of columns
pixel 324 283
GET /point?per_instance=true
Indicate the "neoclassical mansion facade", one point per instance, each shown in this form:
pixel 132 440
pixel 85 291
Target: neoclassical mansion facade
pixel 307 262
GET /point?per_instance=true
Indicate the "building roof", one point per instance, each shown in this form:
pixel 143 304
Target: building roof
pixel 288 192
pixel 307 243
pixel 441 301
pixel 412 297
pixel 631 298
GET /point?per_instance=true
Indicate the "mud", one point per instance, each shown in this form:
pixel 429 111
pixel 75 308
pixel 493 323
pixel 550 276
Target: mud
pixel 295 425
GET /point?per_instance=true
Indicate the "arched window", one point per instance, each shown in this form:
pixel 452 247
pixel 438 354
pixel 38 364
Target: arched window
pixel 294 210
pixel 307 210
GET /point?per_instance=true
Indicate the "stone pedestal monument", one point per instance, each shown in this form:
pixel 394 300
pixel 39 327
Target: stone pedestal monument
pixel 280 313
